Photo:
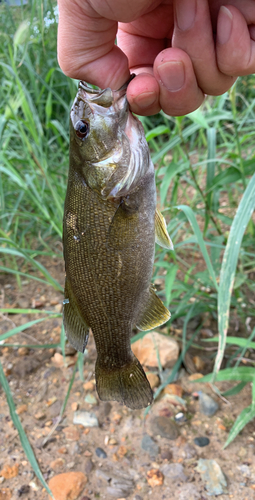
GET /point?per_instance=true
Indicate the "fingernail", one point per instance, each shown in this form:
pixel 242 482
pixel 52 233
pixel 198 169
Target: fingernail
pixel 145 100
pixel 172 75
pixel 225 22
pixel 185 13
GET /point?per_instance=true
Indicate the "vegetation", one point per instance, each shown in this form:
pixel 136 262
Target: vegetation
pixel 205 165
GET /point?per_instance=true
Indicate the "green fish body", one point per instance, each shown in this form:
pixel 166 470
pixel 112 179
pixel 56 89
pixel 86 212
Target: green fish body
pixel 110 220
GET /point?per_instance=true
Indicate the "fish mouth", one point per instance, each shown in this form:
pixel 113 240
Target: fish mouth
pixel 106 97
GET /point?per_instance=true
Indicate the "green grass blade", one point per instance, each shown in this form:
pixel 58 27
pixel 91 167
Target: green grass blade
pixel 242 373
pixel 23 437
pixel 228 268
pixel 242 420
pixel 235 390
pixel 20 328
pixel 234 341
pixel 193 222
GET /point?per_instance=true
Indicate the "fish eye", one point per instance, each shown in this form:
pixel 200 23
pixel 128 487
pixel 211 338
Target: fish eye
pixel 81 129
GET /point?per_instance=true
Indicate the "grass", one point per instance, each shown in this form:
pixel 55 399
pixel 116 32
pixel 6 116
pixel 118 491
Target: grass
pixel 204 174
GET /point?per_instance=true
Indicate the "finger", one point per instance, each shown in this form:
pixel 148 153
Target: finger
pixel 193 34
pixel 86 46
pixel 143 92
pixel 235 45
pixel 179 92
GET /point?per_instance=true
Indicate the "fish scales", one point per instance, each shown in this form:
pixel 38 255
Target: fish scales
pixel 109 241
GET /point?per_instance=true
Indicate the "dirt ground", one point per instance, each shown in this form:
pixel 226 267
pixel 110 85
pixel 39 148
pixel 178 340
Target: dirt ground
pixel 39 382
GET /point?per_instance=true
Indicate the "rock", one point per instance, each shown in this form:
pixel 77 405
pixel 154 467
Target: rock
pixel 89 386
pixel 5 494
pixel 39 415
pixel 155 477
pixel 74 448
pixel 9 471
pixel 180 418
pixel 174 389
pixel 87 465
pixel 207 405
pixel 165 427
pixel 189 491
pixel 201 441
pixel 195 376
pixel 174 472
pixel 21 409
pixel 166 455
pixel 245 470
pixel 188 451
pixel 149 445
pixel 67 486
pixel 57 464
pixel 62 450
pixel 90 398
pixel 101 453
pixel 24 490
pixel 122 451
pixel 212 476
pixel 85 418
pixel 153 379
pixel 71 433
pixel 121 484
pixel 146 349
pixel 137 497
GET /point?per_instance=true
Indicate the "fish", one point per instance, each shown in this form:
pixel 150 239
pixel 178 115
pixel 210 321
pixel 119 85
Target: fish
pixel 110 226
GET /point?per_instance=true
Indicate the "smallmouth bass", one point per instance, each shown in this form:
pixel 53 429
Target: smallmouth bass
pixel 109 231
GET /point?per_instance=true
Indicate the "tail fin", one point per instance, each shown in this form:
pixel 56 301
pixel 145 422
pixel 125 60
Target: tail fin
pixel 127 384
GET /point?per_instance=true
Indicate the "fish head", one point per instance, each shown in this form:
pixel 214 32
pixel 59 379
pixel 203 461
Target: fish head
pixel 97 118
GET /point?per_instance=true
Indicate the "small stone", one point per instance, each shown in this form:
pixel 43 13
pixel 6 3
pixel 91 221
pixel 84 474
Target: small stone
pixel 24 490
pixel 149 445
pixel 90 399
pixel 57 464
pixel 137 497
pixel 23 351
pixel 174 389
pixel 87 465
pixel 121 484
pixel 153 379
pixel 67 486
pixel 74 448
pixel 85 418
pixel 242 452
pixel 166 455
pixel 180 418
pixel 101 453
pixel 195 376
pixel 201 441
pixel 51 401
pixel 89 386
pixel 71 433
pixel 74 406
pixel 112 441
pixel 21 409
pixel 155 478
pixel 207 405
pixel 62 450
pixel 174 472
pixel 212 476
pixel 165 428
pixel 39 415
pixel 122 451
pixel 9 471
pixel 34 486
pixel 5 494
pixel 199 363
pixel 153 344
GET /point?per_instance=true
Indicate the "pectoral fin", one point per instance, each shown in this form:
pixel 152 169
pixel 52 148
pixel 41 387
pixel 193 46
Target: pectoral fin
pixel 154 313
pixel 76 328
pixel 123 226
pixel 161 235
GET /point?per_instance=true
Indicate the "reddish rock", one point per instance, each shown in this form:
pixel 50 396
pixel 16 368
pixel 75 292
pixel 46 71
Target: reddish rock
pixel 5 494
pixel 146 349
pixel 62 450
pixel 155 478
pixel 71 433
pixel 153 379
pixel 57 464
pixel 9 471
pixel 21 409
pixel 174 389
pixel 67 486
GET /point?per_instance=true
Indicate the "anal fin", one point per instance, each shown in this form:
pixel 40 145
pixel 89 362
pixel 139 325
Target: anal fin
pixel 161 235
pixel 154 314
pixel 76 328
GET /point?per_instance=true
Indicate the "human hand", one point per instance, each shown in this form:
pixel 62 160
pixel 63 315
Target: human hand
pixel 169 44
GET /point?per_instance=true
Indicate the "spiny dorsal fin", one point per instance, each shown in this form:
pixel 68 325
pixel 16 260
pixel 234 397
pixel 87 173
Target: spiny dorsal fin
pixel 154 314
pixel 161 235
pixel 76 328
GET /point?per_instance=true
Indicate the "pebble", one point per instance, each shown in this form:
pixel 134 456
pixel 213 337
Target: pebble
pixel 24 490
pixel 201 441
pixel 85 418
pixel 212 476
pixel 5 494
pixel 189 491
pixel 9 471
pixel 121 484
pixel 137 497
pixel 174 471
pixel 21 409
pixel 155 478
pixel 166 455
pixel 67 486
pixel 57 464
pixel 149 445
pixel 180 418
pixel 165 428
pixel 207 405
pixel 87 465
pixel 101 453
pixel 153 379
pixel 89 398
pixel 71 433
pixel 174 389
pixel 147 348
